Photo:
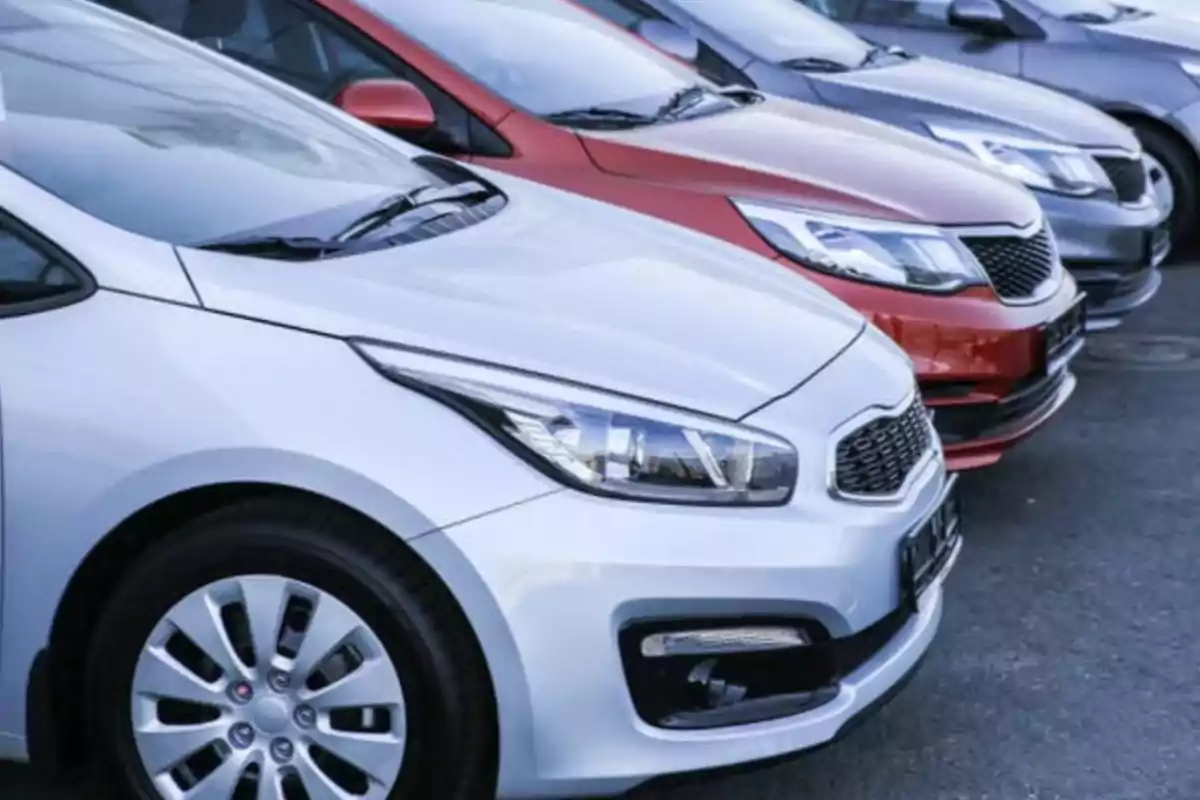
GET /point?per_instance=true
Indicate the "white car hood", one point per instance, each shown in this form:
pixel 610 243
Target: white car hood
pixel 566 287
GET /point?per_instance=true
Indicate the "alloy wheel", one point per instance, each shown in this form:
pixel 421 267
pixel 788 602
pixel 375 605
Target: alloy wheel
pixel 259 687
pixel 1161 183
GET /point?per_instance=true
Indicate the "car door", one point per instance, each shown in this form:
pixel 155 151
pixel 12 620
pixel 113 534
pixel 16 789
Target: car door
pixel 922 26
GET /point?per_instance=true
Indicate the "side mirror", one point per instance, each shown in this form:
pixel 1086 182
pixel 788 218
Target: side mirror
pixel 984 17
pixel 670 38
pixel 387 103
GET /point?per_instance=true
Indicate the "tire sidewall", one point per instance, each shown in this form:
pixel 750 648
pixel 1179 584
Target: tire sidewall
pixel 1180 167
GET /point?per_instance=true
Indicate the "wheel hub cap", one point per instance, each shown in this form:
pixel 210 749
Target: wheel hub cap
pixel 263 684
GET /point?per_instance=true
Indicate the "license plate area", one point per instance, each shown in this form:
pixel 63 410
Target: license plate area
pixel 926 551
pixel 1062 337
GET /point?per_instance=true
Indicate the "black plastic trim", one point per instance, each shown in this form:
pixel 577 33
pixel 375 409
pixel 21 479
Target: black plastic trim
pixel 37 240
pixel 861 717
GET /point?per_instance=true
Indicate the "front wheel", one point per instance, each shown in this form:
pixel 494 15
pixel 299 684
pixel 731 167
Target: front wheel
pixel 269 653
pixel 1172 168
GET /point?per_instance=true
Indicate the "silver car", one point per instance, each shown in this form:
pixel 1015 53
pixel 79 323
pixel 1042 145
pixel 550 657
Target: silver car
pixel 335 469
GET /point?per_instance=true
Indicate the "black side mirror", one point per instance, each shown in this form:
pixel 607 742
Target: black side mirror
pixel 670 38
pixel 985 17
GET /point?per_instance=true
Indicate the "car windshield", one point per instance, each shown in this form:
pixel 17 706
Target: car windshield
pixel 545 56
pixel 780 31
pixel 1082 10
pixel 166 141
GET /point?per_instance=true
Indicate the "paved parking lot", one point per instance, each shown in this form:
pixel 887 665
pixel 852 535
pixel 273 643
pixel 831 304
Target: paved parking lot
pixel 1066 666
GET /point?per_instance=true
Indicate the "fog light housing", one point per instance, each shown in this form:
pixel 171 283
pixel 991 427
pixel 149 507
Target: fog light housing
pixel 697 674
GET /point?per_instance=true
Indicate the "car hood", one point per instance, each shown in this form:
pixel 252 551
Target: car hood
pixel 819 158
pixel 1156 32
pixel 566 287
pixel 926 90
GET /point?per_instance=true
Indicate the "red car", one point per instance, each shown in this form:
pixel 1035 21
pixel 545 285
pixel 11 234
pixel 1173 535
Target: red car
pixel 954 262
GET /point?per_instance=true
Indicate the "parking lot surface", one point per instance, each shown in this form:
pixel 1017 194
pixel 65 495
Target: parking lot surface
pixel 1066 668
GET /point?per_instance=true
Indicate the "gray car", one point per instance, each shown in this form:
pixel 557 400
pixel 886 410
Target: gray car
pixel 1085 168
pixel 1141 67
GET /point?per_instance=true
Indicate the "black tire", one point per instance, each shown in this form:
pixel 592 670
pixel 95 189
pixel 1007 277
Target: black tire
pixel 1181 165
pixel 450 750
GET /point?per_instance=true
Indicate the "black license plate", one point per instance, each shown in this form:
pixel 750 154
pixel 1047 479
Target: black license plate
pixel 926 550
pixel 1062 336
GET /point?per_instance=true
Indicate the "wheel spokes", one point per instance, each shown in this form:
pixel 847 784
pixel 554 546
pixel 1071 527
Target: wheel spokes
pixel 377 756
pixel 160 676
pixel 332 624
pixel 163 747
pixel 372 684
pixel 265 599
pixel 198 617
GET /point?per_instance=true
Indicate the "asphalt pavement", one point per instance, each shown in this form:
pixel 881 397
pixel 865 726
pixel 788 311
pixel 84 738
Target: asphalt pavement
pixel 1066 664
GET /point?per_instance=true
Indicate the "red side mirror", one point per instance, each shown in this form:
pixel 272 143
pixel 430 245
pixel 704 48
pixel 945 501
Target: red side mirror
pixel 387 103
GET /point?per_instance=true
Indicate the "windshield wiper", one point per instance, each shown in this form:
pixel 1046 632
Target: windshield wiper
pixel 291 248
pixel 815 64
pixel 421 197
pixel 1091 18
pixel 598 114
pixel 681 101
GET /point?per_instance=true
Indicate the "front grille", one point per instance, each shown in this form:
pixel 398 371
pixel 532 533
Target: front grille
pixel 1128 177
pixel 1016 266
pixel 876 459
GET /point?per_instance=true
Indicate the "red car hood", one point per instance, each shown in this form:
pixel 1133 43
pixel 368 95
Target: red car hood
pixel 817 158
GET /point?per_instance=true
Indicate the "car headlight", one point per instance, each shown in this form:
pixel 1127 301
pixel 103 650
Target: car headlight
pixel 1039 165
pixel 604 443
pixel 916 257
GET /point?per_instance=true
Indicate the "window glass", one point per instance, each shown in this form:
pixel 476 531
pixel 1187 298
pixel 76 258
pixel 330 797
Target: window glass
pixel 839 10
pixel 545 56
pixel 779 30
pixel 906 13
pixel 1084 10
pixel 155 138
pixel 629 13
pixel 291 41
pixel 27 274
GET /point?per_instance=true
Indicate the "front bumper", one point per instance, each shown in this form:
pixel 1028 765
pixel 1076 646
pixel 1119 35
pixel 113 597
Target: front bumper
pixel 568 572
pixel 969 351
pixel 1113 251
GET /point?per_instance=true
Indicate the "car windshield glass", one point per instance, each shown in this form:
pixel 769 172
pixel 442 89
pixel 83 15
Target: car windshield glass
pixel 1082 10
pixel 545 56
pixel 165 140
pixel 780 31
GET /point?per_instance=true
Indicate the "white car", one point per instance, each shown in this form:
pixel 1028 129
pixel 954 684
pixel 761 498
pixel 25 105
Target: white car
pixel 335 469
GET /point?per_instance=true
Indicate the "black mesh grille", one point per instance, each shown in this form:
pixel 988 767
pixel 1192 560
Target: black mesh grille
pixel 1128 176
pixel 877 458
pixel 1016 266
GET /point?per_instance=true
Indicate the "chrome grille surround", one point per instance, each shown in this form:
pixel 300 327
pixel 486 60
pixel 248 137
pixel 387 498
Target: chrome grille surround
pixel 1037 233
pixel 929 451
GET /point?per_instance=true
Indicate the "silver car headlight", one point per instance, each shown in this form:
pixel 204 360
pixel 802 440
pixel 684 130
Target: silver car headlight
pixel 604 443
pixel 1039 165
pixel 915 257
